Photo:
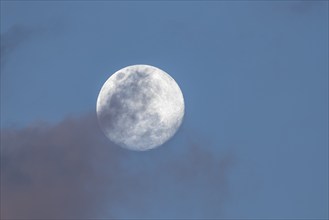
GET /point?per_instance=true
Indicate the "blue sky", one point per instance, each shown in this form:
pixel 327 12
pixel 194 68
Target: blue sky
pixel 254 75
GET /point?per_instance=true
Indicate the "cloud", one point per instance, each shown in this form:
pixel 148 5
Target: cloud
pixel 16 36
pixel 19 34
pixel 305 7
pixel 70 170
pixel 299 8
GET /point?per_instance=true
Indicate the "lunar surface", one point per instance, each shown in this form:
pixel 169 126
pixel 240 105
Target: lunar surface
pixel 140 107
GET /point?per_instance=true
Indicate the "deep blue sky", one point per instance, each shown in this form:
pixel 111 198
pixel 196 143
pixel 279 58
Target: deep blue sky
pixel 254 75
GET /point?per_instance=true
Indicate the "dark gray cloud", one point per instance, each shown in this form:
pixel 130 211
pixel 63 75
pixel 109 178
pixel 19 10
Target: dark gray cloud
pixel 19 34
pixel 70 170
pixel 304 7
pixel 16 36
pixel 299 8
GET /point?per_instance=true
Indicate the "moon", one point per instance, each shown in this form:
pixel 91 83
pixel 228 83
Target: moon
pixel 140 107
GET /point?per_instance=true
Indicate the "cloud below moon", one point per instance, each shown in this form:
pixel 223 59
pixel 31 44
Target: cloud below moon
pixel 69 170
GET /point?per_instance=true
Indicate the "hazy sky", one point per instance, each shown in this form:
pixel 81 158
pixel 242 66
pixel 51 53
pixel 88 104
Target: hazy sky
pixel 254 141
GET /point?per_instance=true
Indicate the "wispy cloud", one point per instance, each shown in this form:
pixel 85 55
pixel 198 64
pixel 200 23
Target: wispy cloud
pixel 304 7
pixel 20 34
pixel 15 37
pixel 299 8
pixel 70 170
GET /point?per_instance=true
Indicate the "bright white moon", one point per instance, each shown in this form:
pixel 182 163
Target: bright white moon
pixel 140 107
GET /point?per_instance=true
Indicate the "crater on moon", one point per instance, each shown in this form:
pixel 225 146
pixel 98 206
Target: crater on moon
pixel 140 107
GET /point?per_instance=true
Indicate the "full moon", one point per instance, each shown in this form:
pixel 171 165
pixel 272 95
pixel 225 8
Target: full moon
pixel 140 107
